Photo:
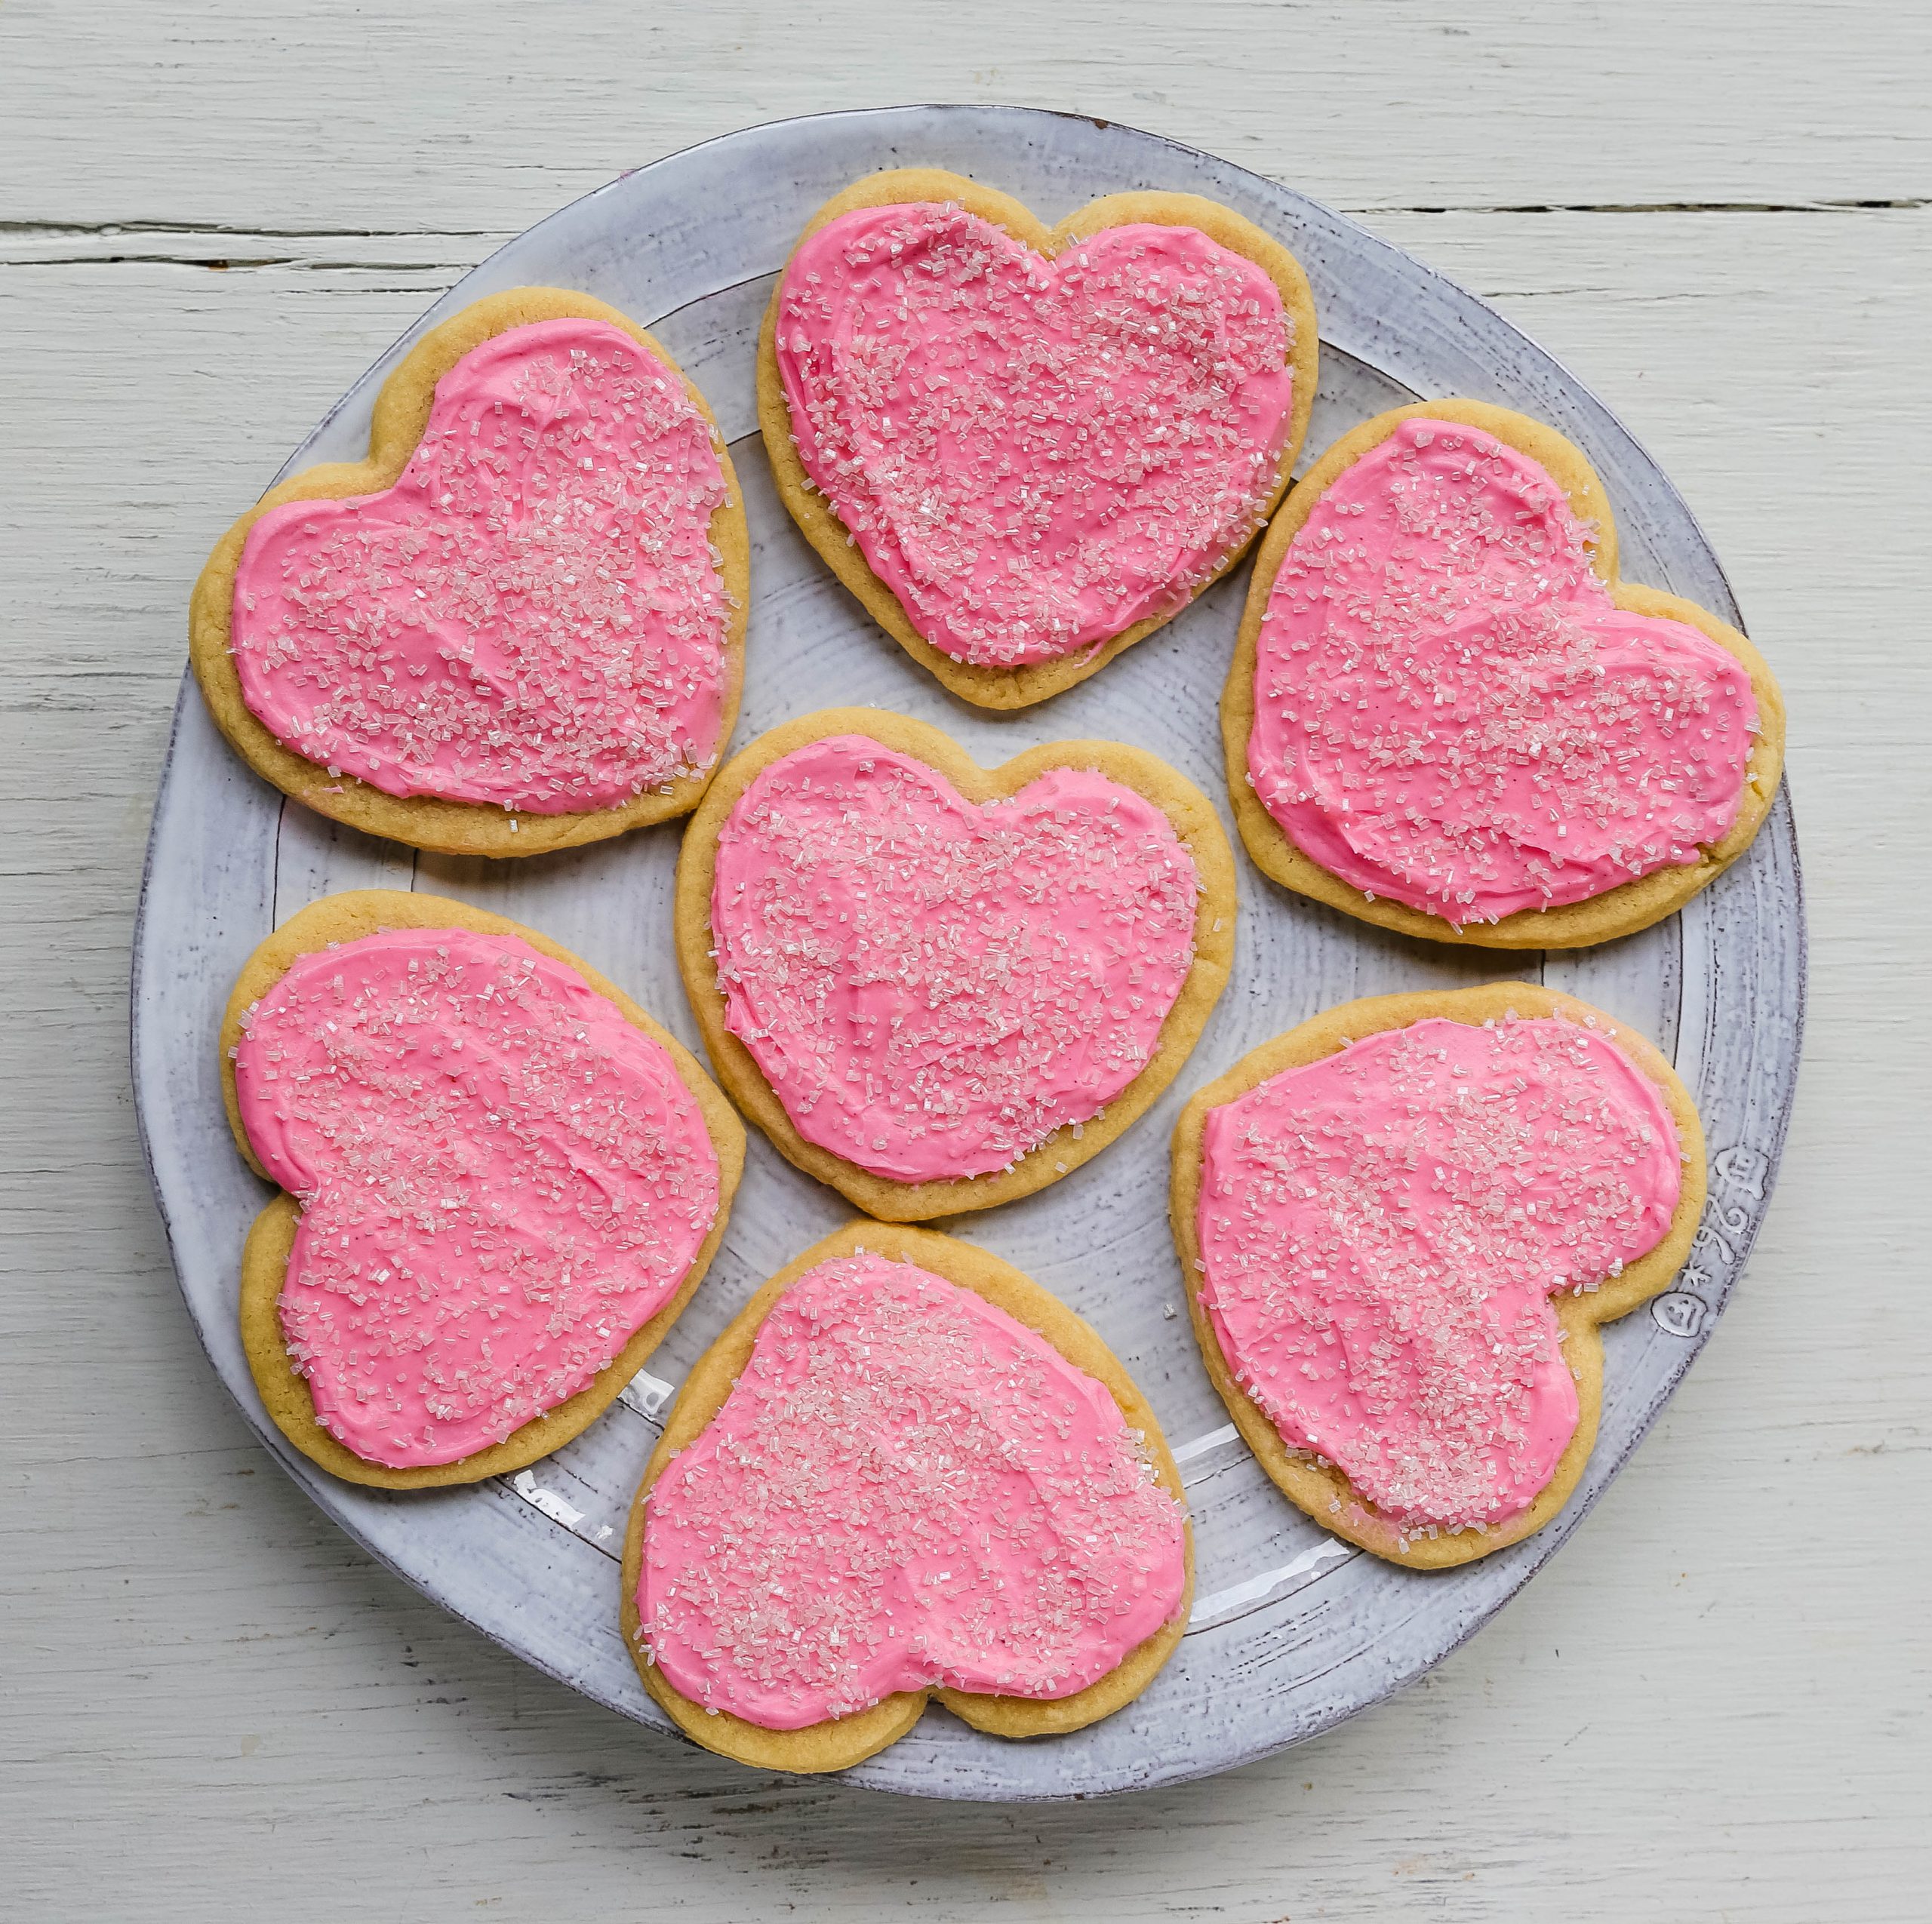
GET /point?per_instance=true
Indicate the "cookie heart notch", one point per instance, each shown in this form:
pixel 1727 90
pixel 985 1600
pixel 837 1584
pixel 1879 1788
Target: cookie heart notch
pixel 1025 449
pixel 937 987
pixel 503 1183
pixel 517 625
pixel 904 1470
pixel 1402 1225
pixel 1446 714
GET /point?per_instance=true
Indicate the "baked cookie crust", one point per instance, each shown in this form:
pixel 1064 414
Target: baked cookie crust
pixel 840 1742
pixel 401 412
pixel 340 918
pixel 1319 1488
pixel 1020 686
pixel 1622 910
pixel 1195 823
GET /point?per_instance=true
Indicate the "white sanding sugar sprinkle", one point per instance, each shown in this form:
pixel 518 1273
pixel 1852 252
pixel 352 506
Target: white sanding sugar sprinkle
pixel 534 616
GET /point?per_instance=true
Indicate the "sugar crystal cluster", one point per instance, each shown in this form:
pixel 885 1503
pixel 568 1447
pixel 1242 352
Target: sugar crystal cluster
pixel 533 617
pixel 1381 1232
pixel 1033 455
pixel 501 1179
pixel 1450 712
pixel 934 987
pixel 906 1487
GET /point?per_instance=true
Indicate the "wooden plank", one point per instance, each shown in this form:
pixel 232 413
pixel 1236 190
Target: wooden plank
pixel 214 1676
pixel 324 128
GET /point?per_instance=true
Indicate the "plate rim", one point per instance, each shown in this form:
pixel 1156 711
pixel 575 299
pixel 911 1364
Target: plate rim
pixel 1546 1542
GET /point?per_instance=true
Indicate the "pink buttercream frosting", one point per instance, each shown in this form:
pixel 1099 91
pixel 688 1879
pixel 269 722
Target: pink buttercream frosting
pixel 905 1488
pixel 1450 713
pixel 502 1180
pixel 1032 454
pixel 533 617
pixel 1381 1232
pixel 931 986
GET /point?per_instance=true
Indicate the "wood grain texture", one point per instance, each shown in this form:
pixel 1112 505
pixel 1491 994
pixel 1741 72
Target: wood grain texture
pixel 217 1703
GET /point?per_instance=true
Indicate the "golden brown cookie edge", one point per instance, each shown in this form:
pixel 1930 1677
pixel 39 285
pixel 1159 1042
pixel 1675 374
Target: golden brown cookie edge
pixel 401 412
pixel 1194 821
pixel 1619 912
pixel 284 1393
pixel 1322 1490
pixel 838 1743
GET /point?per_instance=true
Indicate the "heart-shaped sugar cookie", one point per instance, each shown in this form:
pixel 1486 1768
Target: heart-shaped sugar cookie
pixel 504 1182
pixel 1025 450
pixel 905 1470
pixel 517 625
pixel 937 988
pixel 1447 715
pixel 1403 1223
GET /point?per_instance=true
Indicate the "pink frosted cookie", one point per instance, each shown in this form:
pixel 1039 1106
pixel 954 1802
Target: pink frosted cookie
pixel 503 1181
pixel 519 624
pixel 1446 714
pixel 1402 1224
pixel 905 1470
pixel 938 987
pixel 1025 448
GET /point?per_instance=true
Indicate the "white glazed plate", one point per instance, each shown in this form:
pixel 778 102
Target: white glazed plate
pixel 1292 1631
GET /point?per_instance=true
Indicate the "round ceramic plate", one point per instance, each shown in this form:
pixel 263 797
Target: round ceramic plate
pixel 1291 1630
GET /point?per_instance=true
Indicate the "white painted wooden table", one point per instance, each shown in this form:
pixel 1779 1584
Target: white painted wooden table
pixel 1714 1704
